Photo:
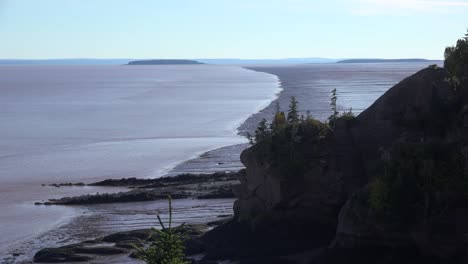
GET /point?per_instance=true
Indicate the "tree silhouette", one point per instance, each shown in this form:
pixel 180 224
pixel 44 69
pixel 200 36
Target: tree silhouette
pixel 456 59
pixel 293 116
pixel 333 99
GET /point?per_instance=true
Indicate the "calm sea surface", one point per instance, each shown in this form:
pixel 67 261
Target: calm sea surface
pixel 88 123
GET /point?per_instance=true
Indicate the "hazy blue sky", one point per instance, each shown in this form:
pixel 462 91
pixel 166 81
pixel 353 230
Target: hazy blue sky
pixel 229 28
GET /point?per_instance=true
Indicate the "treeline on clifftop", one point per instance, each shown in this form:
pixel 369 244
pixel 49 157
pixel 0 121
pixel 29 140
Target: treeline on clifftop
pixel 292 140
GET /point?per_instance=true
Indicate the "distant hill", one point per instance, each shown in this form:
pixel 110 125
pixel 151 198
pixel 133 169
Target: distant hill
pixel 227 61
pixel 381 60
pixel 267 61
pixel 90 61
pixel 164 62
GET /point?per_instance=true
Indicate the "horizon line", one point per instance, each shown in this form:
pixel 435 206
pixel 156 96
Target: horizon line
pixel 219 58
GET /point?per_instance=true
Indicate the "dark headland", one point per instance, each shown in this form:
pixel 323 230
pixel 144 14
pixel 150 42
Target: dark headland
pixel 381 60
pixel 164 62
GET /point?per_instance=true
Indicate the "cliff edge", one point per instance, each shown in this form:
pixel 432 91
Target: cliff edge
pixel 343 203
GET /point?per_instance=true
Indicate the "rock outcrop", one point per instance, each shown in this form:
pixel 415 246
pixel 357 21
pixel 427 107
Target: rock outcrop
pixel 117 247
pixel 422 108
pixel 418 108
pixel 326 205
pixel 202 186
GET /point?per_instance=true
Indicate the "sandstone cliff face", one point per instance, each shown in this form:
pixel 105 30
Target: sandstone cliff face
pixel 299 211
pixel 306 207
pixel 286 210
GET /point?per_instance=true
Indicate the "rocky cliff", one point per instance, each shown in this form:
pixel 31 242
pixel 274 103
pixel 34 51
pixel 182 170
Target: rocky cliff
pixel 329 205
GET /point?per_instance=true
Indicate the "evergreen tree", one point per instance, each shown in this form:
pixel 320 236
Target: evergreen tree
pixel 293 116
pixel 168 245
pixel 335 113
pixel 262 131
pixel 456 59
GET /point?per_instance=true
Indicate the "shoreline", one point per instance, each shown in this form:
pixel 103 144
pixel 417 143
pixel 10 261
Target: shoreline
pixel 238 131
pixel 267 111
pixel 249 125
pixel 17 249
pixel 197 199
pixel 276 96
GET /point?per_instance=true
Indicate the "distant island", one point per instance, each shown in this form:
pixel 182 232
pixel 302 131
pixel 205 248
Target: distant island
pixel 381 60
pixel 164 62
pixel 136 61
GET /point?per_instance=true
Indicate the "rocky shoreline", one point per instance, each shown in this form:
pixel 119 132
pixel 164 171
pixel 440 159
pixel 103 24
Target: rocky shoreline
pixel 201 186
pixel 119 247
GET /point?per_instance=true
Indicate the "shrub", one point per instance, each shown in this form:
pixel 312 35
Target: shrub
pixel 417 181
pixel 167 246
pixel 348 117
pixel 379 195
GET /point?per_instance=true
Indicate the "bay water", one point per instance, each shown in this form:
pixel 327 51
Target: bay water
pixel 88 123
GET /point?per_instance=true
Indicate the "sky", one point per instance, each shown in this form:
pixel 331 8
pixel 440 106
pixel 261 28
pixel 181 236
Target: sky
pixel 248 29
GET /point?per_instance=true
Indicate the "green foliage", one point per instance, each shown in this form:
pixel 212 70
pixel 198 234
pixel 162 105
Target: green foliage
pixel 279 122
pixel 347 116
pixel 379 195
pixel 333 106
pixel 456 59
pixel 294 144
pixel 293 116
pixel 167 246
pixel 262 131
pixel 417 181
pixel 290 146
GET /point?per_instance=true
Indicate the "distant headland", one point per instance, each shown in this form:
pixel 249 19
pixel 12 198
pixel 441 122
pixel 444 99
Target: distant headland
pixel 381 60
pixel 164 62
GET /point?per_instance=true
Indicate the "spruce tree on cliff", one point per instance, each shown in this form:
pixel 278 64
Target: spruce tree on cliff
pixel 293 116
pixel 262 131
pixel 334 116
